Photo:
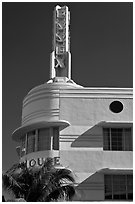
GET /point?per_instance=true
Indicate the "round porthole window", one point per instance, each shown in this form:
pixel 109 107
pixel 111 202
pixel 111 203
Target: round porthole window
pixel 116 106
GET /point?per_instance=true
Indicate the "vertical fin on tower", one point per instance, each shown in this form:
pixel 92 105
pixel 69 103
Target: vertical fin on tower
pixel 61 56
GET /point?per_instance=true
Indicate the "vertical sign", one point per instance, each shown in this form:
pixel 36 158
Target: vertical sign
pixel 61 41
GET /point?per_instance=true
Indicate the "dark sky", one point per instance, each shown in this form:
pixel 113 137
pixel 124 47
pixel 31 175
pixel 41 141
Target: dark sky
pixel 101 47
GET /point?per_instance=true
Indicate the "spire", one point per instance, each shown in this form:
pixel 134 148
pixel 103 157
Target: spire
pixel 61 56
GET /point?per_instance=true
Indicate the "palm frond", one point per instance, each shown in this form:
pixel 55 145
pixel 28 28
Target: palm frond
pixel 62 193
pixel 57 185
pixel 63 175
pixel 11 184
pixel 44 184
pixel 13 168
pixel 47 166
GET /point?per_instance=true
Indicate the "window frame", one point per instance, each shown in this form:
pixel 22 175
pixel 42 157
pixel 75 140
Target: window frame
pixel 53 146
pixel 31 137
pixel 112 187
pixel 110 146
pixel 23 146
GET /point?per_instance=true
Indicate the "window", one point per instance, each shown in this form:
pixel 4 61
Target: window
pixel 31 142
pixel 56 138
pixel 23 149
pixel 48 139
pixel 40 140
pixel 116 106
pixel 117 139
pixel 44 139
pixel 118 187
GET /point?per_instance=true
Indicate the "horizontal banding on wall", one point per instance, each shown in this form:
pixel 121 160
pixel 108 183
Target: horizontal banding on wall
pixel 48 89
pixel 96 138
pixel 40 96
pixel 77 92
pixel 40 114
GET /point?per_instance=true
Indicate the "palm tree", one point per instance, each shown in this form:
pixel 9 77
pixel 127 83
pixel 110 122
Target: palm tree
pixel 43 184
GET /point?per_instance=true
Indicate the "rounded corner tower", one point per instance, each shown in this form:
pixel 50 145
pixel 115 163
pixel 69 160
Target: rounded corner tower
pixel 41 116
pixel 42 121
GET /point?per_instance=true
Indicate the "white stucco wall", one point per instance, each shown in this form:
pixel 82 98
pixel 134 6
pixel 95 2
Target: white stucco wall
pixel 81 144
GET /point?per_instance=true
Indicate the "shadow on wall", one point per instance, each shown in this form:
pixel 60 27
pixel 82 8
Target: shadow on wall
pixel 92 138
pixel 91 189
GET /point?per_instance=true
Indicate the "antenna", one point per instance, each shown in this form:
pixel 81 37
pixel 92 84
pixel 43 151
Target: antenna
pixel 61 56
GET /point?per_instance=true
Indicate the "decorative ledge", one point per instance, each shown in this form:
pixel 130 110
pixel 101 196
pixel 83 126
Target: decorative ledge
pixel 116 170
pixel 115 123
pixel 21 131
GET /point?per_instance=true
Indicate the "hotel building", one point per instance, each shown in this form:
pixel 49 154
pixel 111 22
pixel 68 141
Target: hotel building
pixel 88 130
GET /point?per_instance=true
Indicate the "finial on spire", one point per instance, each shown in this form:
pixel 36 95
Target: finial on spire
pixel 61 56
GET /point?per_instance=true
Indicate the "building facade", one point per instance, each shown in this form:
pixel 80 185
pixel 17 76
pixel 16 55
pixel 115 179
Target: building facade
pixel 88 130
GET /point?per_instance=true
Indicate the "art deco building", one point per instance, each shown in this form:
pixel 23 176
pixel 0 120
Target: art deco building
pixel 88 130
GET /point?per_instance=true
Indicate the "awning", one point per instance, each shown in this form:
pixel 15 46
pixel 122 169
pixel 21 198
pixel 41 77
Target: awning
pixel 21 131
pixel 116 123
pixel 116 171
